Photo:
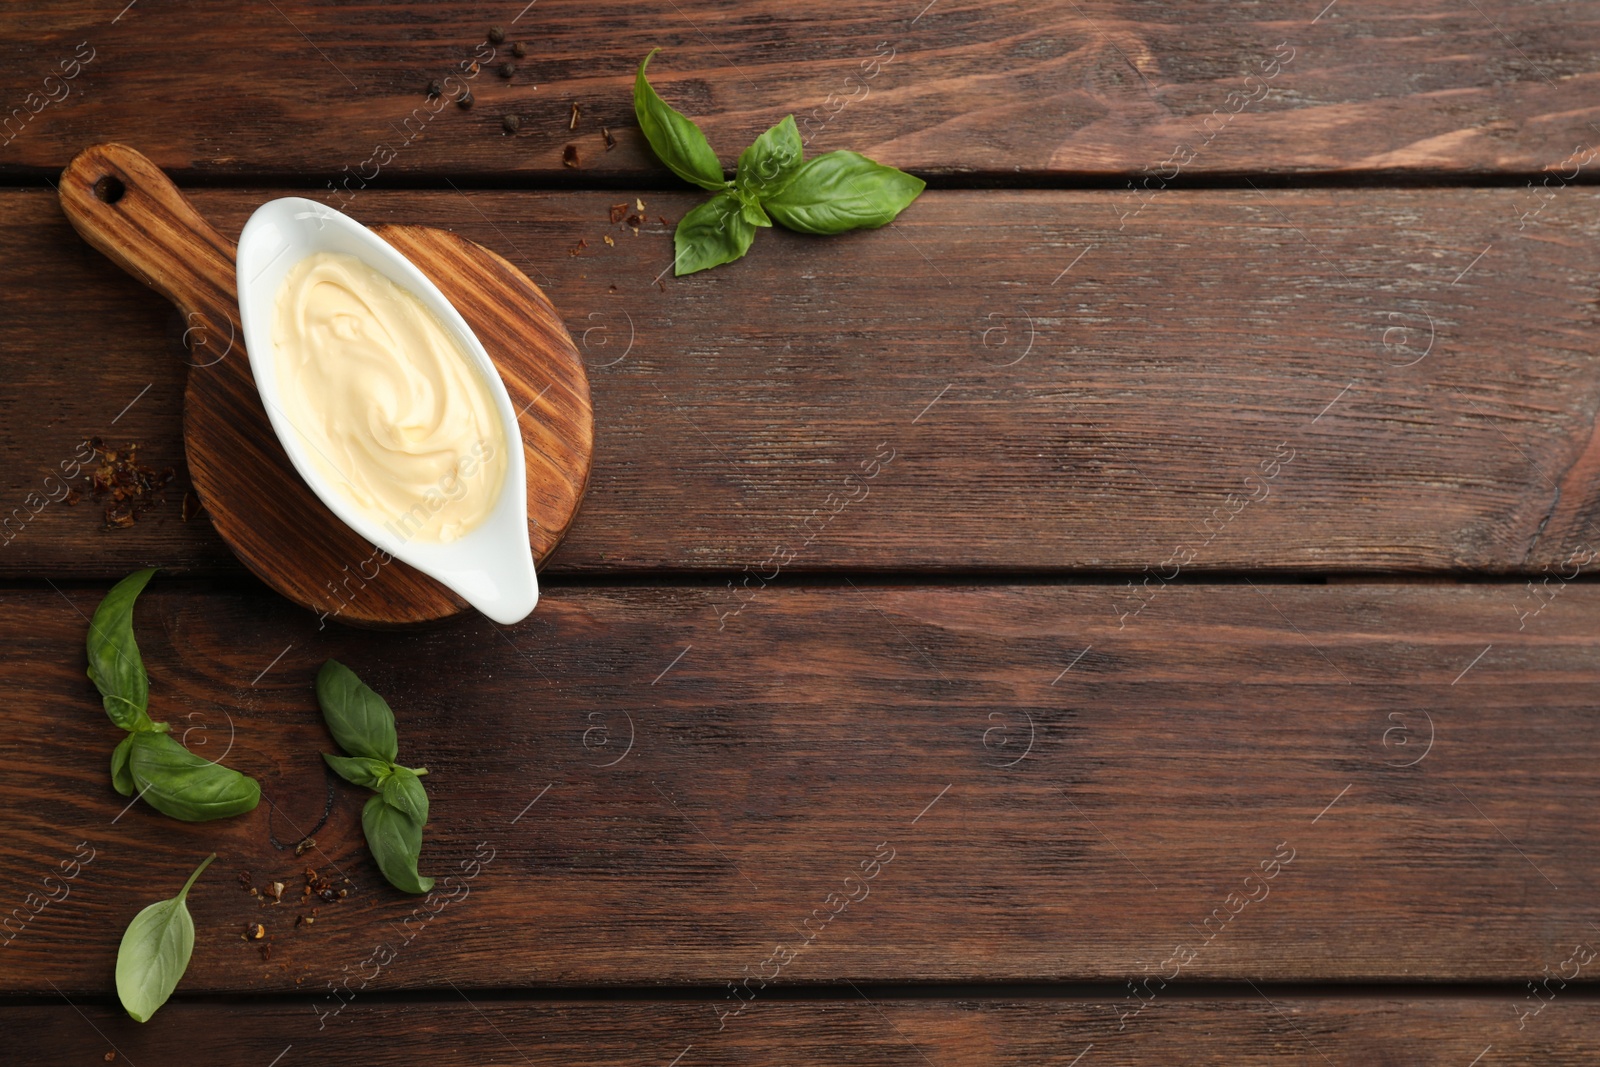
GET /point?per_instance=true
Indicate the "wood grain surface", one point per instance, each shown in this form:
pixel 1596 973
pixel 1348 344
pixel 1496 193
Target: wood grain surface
pixel 1029 379
pixel 638 786
pixel 126 208
pixel 335 94
pixel 1245 1030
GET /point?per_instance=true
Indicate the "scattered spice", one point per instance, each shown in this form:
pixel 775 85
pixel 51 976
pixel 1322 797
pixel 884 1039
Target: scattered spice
pixel 472 69
pixel 192 507
pixel 609 241
pixel 638 204
pixel 510 123
pixel 244 879
pixel 636 221
pixel 131 486
pixel 464 101
pixel 435 89
pixel 575 249
pixel 109 1057
pixel 518 50
pixel 497 35
pixel 618 211
pixel 508 70
pixel 304 846
pixel 569 156
pixel 611 142
pixel 254 931
pixel 572 123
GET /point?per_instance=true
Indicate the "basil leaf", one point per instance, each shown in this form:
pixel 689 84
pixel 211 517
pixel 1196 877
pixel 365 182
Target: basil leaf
pixel 713 233
pixel 751 211
pixel 842 191
pixel 121 777
pixel 673 136
pixel 155 952
pixel 771 162
pixel 359 770
pixel 395 839
pixel 115 667
pixel 359 718
pixel 178 783
pixel 403 791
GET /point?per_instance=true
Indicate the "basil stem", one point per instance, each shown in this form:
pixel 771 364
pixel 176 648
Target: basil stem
pixel 148 761
pixel 155 951
pixel 363 724
pixel 833 193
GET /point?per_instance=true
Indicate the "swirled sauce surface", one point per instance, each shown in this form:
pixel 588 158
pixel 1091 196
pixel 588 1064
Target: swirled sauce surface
pixel 386 402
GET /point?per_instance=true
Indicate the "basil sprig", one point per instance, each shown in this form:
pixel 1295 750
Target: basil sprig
pixel 361 721
pixel 155 951
pixel 148 761
pixel 834 192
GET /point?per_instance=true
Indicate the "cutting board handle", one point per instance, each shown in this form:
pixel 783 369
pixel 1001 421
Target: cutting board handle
pixel 123 205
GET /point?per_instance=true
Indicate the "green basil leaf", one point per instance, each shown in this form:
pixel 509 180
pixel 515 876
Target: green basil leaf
pixel 842 191
pixel 395 839
pixel 155 952
pixel 673 136
pixel 360 770
pixel 359 718
pixel 115 666
pixel 403 791
pixel 713 233
pixel 752 213
pixel 771 162
pixel 178 783
pixel 121 777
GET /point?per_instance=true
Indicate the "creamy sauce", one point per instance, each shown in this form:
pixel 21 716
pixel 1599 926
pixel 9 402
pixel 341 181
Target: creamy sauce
pixel 386 402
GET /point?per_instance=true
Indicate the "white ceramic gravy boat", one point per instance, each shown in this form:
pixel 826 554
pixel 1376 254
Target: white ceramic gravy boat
pixel 491 566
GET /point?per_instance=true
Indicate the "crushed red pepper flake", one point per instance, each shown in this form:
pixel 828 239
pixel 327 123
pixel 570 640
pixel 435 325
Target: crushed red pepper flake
pixel 580 246
pixel 132 487
pixel 619 211
pixel 569 156
pixel 611 142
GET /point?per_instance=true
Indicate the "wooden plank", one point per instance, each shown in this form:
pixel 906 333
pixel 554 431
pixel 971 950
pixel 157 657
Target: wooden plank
pixel 1241 781
pixel 1323 379
pixel 995 88
pixel 1246 1030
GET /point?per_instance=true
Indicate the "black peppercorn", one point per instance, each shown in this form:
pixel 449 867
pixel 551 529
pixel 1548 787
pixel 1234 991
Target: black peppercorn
pixel 464 100
pixel 518 49
pixel 434 88
pixel 496 35
pixel 507 69
pixel 510 123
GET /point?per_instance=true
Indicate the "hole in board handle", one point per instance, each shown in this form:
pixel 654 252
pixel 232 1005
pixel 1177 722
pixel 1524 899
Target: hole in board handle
pixel 109 190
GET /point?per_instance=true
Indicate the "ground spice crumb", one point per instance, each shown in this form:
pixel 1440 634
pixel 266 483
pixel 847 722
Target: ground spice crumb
pixel 244 879
pixel 638 204
pixel 572 123
pixel 497 35
pixel 308 843
pixel 611 141
pixel 131 486
pixel 609 241
pixel 510 123
pixel 109 1057
pixel 254 931
pixel 575 249
pixel 569 156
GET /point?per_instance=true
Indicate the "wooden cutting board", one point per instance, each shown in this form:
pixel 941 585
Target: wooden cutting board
pixel 123 205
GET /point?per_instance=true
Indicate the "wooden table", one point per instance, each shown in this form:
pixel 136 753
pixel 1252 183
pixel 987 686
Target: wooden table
pixel 1134 609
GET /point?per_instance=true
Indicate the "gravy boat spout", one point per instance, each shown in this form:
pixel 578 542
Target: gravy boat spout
pixel 490 565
